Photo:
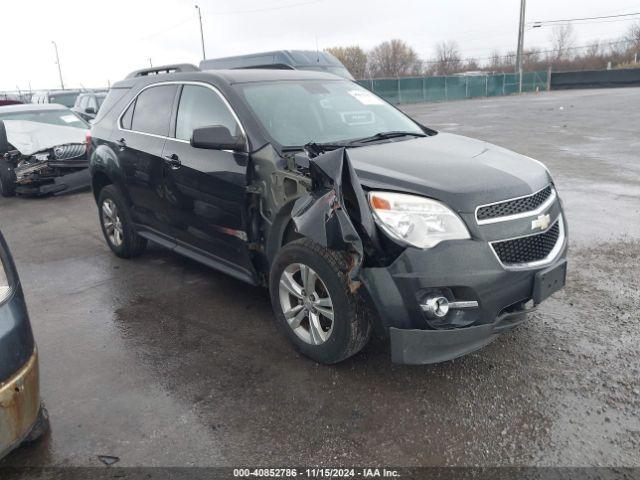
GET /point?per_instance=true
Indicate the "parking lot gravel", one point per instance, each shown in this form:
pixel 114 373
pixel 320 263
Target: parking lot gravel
pixel 162 362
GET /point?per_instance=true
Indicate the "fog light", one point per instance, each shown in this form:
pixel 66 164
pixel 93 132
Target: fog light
pixel 435 307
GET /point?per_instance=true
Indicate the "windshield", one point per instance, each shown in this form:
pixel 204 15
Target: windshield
pixel 66 99
pixel 51 117
pixel 295 113
pixel 100 99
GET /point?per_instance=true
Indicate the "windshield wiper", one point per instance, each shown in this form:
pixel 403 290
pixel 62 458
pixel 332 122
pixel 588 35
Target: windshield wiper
pixel 315 148
pixel 386 136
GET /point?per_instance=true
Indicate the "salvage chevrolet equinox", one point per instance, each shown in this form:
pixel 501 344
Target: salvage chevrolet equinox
pixel 357 218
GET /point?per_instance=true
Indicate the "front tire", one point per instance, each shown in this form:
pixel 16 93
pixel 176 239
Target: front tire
pixel 314 304
pixel 7 180
pixel 117 226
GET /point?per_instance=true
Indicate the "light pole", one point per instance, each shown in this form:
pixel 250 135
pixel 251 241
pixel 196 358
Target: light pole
pixel 55 46
pixel 204 57
pixel 519 56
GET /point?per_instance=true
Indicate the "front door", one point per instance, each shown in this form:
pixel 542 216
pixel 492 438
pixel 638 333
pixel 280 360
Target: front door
pixel 206 189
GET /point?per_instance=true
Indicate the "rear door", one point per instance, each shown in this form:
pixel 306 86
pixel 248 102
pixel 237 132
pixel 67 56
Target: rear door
pixel 206 189
pixel 139 138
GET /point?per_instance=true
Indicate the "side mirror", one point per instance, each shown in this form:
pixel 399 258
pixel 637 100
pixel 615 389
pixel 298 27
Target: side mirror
pixel 216 137
pixel 90 110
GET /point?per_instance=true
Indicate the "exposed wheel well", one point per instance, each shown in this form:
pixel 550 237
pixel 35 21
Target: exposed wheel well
pixel 98 181
pixel 289 234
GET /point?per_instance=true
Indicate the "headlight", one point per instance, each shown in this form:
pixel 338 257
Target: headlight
pixel 414 220
pixel 5 289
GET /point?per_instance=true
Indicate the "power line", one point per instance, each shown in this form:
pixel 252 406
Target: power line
pixel 586 18
pixel 587 22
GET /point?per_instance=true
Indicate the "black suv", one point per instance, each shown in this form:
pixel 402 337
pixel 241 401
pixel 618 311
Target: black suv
pixel 356 217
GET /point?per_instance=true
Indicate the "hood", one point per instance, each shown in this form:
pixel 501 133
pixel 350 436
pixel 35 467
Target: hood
pixel 460 171
pixel 33 137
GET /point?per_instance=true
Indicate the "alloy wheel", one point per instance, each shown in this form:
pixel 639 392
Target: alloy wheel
pixel 306 304
pixel 112 223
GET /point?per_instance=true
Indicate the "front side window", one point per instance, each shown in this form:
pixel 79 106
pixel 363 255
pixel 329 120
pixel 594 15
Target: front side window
pixel 295 113
pixel 202 107
pixel 152 113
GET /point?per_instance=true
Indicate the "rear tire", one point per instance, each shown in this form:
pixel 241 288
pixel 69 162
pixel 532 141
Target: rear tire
pixel 7 180
pixel 322 316
pixel 117 226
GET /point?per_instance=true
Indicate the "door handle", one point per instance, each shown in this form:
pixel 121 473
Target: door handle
pixel 122 144
pixel 173 161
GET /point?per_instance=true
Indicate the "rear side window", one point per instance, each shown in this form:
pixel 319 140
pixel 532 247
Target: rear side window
pixel 202 107
pixel 152 113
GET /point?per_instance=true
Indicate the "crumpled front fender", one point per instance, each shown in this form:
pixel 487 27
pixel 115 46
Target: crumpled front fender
pixel 335 212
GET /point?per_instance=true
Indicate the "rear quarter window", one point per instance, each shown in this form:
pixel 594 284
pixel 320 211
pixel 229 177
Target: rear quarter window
pixel 113 97
pixel 153 110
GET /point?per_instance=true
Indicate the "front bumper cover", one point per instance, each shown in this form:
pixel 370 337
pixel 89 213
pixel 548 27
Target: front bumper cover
pixel 71 182
pixel 420 347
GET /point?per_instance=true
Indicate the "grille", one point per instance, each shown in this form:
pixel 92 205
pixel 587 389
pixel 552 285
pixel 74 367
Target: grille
pixel 513 207
pixel 527 249
pixel 65 152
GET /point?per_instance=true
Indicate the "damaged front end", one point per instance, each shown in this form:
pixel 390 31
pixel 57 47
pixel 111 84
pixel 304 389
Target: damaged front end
pixel 41 159
pixel 62 168
pixel 434 303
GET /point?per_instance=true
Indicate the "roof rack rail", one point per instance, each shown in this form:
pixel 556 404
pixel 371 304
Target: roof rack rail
pixel 177 67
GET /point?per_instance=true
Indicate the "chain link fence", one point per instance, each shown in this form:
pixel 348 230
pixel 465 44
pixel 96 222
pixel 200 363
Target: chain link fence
pixel 457 87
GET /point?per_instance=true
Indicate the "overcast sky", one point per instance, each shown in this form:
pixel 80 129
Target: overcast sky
pixel 101 41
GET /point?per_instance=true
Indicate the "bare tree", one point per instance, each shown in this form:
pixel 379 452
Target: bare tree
pixel 496 61
pixel 633 36
pixel 563 39
pixel 448 59
pixel 393 58
pixel 353 58
pixel 471 65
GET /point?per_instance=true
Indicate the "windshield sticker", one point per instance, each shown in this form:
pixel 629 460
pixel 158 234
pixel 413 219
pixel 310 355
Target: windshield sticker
pixel 365 98
pixel 362 117
pixel 68 118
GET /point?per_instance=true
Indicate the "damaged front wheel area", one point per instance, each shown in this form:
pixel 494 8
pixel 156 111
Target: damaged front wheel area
pixel 314 305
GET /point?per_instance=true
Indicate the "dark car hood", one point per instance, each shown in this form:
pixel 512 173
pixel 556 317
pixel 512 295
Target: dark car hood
pixel 460 171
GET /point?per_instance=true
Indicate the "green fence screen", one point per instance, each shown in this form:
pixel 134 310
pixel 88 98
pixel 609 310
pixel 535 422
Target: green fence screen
pixel 457 87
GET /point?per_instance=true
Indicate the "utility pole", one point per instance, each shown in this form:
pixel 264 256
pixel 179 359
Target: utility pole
pixel 520 54
pixel 204 57
pixel 55 46
pixel 150 62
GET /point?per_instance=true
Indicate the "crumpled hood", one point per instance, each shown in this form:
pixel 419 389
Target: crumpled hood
pixel 460 171
pixel 32 137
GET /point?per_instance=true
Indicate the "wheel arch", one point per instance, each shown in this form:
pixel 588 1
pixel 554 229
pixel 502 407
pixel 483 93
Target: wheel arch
pixel 281 231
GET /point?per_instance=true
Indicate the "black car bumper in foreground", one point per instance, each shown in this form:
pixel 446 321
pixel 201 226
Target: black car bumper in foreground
pixel 22 416
pixel 466 273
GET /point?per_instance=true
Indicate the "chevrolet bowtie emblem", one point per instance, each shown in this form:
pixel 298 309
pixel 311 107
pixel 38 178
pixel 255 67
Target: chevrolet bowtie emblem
pixel 542 222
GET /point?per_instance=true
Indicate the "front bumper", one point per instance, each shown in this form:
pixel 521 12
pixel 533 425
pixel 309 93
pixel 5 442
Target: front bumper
pixel 20 407
pixel 465 270
pixel 71 182
pixel 419 347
